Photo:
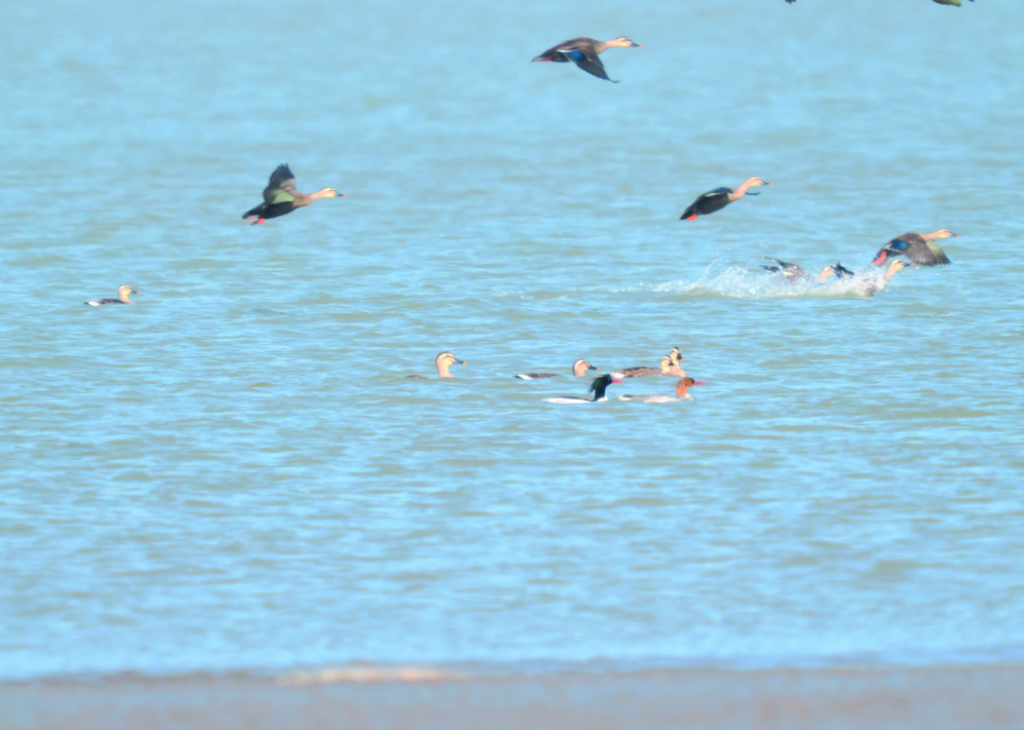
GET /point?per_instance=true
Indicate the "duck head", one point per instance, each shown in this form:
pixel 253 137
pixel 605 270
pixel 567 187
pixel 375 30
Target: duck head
pixel 623 42
pixel 446 360
pixel 600 385
pixel 580 368
pixel 943 233
pixel 328 193
pixel 684 385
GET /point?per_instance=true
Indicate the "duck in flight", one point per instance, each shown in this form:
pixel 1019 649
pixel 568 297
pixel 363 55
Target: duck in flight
pixel 280 197
pixel 943 2
pixel 919 248
pixel 122 297
pixel 584 53
pixel 598 387
pixel 682 393
pixel 443 361
pixel 718 198
pixel 579 369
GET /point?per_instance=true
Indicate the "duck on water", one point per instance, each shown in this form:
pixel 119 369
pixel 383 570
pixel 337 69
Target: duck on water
pixel 122 297
pixel 669 368
pixel 579 369
pixel 714 200
pixel 443 361
pixel 280 197
pixel 682 393
pixel 598 387
pixel 584 53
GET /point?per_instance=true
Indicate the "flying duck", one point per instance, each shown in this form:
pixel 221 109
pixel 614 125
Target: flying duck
pixel 280 197
pixel 919 248
pixel 718 198
pixel 583 52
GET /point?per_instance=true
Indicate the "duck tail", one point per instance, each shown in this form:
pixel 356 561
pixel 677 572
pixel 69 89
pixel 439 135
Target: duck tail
pixel 255 213
pixel 690 213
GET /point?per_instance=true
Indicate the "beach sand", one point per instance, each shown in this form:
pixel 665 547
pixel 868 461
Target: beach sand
pixel 880 699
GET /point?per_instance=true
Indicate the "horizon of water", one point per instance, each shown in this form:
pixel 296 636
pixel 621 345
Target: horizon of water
pixel 235 473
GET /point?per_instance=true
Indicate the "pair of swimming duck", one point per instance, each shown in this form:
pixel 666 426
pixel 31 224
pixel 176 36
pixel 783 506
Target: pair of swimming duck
pixel 669 367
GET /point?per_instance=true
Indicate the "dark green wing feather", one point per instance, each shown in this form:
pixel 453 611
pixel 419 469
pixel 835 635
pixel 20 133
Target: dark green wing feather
pixel 281 187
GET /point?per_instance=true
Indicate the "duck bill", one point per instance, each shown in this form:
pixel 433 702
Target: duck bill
pixel 635 45
pixel 593 368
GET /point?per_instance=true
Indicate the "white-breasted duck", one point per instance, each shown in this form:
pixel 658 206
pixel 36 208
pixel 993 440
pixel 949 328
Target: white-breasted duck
pixel 579 369
pixel 598 388
pixel 682 393
pixel 443 361
pixel 122 297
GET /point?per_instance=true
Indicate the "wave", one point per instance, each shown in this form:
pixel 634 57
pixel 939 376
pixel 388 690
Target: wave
pixel 736 282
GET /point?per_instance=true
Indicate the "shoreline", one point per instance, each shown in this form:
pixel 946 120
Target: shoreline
pixel 979 696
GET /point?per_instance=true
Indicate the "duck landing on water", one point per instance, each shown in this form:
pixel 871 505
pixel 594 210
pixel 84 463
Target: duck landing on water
pixel 122 297
pixel 714 200
pixel 583 52
pixel 919 248
pixel 280 197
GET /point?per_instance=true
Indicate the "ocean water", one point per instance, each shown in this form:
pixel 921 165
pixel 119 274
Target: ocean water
pixel 235 474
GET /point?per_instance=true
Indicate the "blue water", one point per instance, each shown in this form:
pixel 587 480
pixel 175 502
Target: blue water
pixel 235 473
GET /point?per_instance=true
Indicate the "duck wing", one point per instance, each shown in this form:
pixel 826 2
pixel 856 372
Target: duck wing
pixel 281 187
pixel 557 53
pixel 918 249
pixel 790 271
pixel 589 62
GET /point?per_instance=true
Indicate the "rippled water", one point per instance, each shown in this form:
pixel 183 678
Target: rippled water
pixel 235 473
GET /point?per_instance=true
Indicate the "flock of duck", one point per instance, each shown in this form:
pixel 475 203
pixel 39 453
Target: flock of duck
pixel 280 197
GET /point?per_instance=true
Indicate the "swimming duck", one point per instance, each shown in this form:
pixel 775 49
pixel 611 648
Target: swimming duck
pixel 943 2
pixel 122 297
pixel 718 198
pixel 668 368
pixel 280 197
pixel 919 248
pixel 443 362
pixel 583 52
pixel 579 369
pixel 598 387
pixel 682 388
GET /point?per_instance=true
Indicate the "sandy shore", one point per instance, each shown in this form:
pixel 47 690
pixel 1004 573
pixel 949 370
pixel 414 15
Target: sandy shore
pixel 880 699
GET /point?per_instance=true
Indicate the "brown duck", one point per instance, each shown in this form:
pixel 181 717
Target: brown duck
pixel 919 248
pixel 583 52
pixel 280 197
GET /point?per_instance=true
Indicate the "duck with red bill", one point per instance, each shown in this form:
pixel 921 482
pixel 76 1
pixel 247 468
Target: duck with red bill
pixel 682 393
